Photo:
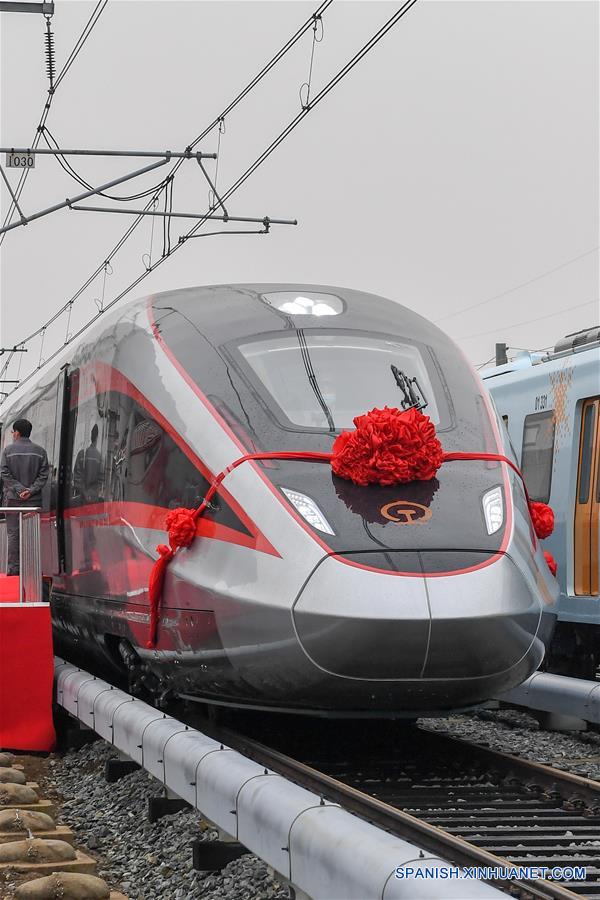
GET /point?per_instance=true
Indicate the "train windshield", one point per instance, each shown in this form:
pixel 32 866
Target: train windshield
pixel 322 380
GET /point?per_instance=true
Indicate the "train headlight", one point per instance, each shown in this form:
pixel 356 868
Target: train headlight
pixel 309 510
pixel 493 510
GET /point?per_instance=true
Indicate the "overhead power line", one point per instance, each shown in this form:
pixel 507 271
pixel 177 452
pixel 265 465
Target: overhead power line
pixel 366 48
pixel 517 287
pixel 98 10
pixel 88 28
pixel 466 337
pixel 217 122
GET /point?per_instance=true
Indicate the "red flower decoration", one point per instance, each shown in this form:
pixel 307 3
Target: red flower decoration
pixel 551 562
pixel 389 446
pixel 181 525
pixel 542 517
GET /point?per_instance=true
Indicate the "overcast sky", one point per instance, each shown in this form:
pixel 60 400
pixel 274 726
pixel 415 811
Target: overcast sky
pixel 458 162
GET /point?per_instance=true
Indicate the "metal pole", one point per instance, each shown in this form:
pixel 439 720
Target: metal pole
pixel 9 6
pixel 189 237
pixel 12 194
pixel 52 151
pixel 501 357
pixel 175 215
pixel 20 557
pixel 215 192
pixel 69 202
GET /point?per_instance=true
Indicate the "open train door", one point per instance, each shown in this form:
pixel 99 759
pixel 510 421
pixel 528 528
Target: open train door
pixel 587 501
pixel 59 472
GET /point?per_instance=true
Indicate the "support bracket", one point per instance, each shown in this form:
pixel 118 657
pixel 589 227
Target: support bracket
pixel 212 856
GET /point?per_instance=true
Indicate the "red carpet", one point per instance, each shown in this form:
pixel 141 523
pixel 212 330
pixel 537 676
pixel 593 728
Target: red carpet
pixel 26 675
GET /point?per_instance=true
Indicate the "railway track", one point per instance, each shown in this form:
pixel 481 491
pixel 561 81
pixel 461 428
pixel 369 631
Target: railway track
pixel 470 805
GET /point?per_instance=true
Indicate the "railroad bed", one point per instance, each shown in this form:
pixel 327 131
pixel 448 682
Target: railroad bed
pixel 460 803
pixel 467 803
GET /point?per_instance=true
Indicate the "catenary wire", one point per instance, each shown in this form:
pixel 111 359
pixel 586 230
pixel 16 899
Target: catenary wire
pixel 99 9
pixel 518 287
pixel 318 98
pixel 68 168
pixel 372 42
pixel 465 337
pixel 51 94
pixel 136 222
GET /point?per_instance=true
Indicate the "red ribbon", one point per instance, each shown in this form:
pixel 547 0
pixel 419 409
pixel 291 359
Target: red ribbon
pixel 155 586
pixel 180 534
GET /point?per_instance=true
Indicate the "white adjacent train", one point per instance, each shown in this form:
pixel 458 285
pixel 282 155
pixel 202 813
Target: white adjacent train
pixel 551 405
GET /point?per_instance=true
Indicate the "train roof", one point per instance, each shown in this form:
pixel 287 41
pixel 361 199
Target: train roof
pixel 229 312
pixel 583 344
pixel 255 308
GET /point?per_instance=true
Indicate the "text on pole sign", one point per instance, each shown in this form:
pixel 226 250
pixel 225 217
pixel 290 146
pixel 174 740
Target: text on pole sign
pixel 20 161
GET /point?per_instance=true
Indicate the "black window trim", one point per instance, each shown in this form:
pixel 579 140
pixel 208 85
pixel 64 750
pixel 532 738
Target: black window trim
pixel 540 416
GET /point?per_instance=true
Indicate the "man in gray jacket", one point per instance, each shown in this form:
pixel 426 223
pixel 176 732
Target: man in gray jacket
pixel 24 472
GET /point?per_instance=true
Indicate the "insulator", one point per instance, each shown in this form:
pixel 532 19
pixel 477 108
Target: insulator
pixel 49 40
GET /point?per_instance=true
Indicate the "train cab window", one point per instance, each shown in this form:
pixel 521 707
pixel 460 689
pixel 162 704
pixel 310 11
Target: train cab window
pixel 537 454
pixel 321 380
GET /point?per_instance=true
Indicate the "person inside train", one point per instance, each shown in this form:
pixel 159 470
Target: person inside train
pixel 88 471
pixel 87 489
pixel 24 470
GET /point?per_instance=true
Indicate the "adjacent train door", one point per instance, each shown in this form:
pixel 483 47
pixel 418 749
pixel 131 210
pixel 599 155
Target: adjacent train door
pixel 587 501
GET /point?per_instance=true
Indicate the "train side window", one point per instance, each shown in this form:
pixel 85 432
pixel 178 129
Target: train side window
pixel 587 506
pixel 587 444
pixel 537 454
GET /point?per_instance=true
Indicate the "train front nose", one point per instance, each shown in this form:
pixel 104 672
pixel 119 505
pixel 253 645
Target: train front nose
pixel 421 632
pixel 485 621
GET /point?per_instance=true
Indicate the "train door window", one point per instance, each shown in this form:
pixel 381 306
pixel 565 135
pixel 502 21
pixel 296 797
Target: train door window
pixel 537 454
pixel 587 505
pixel 85 479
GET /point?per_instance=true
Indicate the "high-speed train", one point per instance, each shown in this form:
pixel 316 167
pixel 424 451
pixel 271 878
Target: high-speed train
pixel 302 591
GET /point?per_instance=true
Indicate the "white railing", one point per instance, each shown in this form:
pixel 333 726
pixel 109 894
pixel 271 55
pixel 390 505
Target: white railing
pixel 30 577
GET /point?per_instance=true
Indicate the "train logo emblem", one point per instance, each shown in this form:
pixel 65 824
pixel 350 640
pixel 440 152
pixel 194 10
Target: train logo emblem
pixel 406 512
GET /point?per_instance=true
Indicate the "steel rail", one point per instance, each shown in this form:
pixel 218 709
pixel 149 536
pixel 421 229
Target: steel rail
pixel 319 848
pixel 409 827
pixel 535 773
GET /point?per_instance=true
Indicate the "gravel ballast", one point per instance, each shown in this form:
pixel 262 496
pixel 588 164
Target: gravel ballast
pixel 518 732
pixel 154 861
pixel 145 861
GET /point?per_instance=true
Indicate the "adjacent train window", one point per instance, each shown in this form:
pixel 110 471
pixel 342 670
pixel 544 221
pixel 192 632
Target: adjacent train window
pixel 587 446
pixel 537 454
pixel 587 506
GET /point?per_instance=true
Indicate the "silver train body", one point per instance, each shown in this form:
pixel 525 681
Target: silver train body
pixel 551 405
pixel 301 592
